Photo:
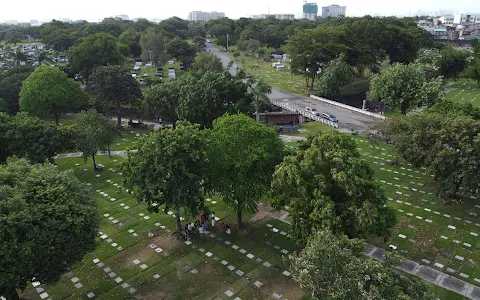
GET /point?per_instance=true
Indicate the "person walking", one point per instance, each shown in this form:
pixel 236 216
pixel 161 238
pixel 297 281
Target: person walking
pixel 202 217
pixel 213 219
pixel 229 230
pixel 200 231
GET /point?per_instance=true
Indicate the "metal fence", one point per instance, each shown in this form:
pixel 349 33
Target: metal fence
pixel 305 113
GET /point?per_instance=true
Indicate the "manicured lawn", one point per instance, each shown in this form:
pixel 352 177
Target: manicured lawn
pixel 464 90
pixel 123 238
pixel 310 128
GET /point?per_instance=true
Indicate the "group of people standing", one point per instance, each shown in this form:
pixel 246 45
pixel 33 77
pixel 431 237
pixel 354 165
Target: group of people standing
pixel 202 225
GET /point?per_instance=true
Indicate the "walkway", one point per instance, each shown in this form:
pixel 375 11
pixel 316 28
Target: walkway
pixel 433 276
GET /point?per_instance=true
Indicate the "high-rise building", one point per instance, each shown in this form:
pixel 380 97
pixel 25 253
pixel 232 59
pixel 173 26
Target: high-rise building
pixel 204 16
pixel 333 11
pixel 310 11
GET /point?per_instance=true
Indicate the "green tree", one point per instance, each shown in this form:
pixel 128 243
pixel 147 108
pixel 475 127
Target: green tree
pixel 335 268
pixel 162 101
pixel 328 186
pixel 259 90
pixel 48 91
pixel 93 132
pixel 169 168
pixel 48 221
pixel 453 61
pixel 154 41
pixel 181 50
pixel 447 144
pixel 10 85
pixel 113 87
pixel 31 138
pixel 473 71
pixel 204 62
pixel 3 106
pixel 93 51
pixel 205 97
pixel 310 50
pixel 243 155
pixel 405 86
pixel 131 39
pixel 336 74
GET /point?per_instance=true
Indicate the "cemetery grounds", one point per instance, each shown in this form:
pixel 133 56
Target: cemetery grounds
pixel 127 263
pixel 463 90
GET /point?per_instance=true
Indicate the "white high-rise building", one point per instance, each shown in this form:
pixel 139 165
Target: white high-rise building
pixel 333 11
pixel 204 16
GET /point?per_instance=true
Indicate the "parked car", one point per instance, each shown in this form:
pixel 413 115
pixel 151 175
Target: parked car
pixel 208 41
pixel 329 116
pixel 313 111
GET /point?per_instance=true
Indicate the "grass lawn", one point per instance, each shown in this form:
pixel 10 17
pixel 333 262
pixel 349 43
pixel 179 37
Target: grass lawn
pixel 441 235
pixel 464 90
pixel 176 270
pixel 310 128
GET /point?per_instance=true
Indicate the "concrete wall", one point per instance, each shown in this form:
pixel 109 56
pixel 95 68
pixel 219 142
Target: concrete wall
pixel 351 108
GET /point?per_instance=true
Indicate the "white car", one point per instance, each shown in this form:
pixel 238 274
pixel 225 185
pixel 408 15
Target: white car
pixel 208 41
pixel 330 117
pixel 313 111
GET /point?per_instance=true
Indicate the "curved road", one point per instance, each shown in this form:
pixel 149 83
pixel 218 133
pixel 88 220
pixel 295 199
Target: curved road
pixel 346 119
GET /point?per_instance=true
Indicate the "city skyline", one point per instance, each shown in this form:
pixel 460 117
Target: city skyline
pixel 53 9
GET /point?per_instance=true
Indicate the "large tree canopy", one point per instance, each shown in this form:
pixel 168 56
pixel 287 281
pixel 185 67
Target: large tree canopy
pixel 328 186
pixel 93 51
pixel 31 138
pixel 48 91
pixel 405 86
pixel 169 168
pixel 335 268
pixel 113 87
pixel 448 144
pixel 336 74
pixel 204 62
pixel 243 155
pixel 11 82
pixel 48 221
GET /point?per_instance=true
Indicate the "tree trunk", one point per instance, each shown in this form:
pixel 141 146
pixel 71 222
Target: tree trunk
pixel 109 152
pixel 239 219
pixel 311 86
pixel 306 79
pixel 404 110
pixel 57 119
pixel 12 295
pixel 119 121
pixel 179 222
pixel 257 116
pixel 94 162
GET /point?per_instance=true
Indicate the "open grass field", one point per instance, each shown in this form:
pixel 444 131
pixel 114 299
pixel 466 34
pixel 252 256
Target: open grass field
pixel 463 90
pixel 128 264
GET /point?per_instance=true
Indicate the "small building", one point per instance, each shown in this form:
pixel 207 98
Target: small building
pixel 284 121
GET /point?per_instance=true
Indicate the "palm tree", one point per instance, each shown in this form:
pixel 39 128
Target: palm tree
pixel 260 91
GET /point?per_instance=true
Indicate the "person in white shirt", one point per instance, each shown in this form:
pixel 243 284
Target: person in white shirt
pixel 229 231
pixel 200 231
pixel 213 219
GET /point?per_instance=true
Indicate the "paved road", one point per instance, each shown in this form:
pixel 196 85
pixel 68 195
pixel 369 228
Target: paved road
pixel 347 119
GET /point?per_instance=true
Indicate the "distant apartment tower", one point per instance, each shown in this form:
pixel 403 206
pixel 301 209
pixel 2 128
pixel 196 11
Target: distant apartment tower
pixel 466 19
pixel 204 16
pixel 276 16
pixel 333 11
pixel 310 11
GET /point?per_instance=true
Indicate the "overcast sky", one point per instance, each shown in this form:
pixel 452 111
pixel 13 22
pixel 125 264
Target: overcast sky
pixel 94 10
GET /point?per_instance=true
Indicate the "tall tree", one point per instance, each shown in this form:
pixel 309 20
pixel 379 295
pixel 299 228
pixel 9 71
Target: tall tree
pixel 310 50
pixel 113 87
pixel 181 50
pixel 328 186
pixel 10 85
pixel 93 132
pixel 243 155
pixel 169 168
pixel 93 51
pixel 259 90
pixel 405 86
pixel 162 101
pixel 453 61
pixel 473 71
pixel 204 62
pixel 335 268
pixel 31 138
pixel 48 91
pixel 153 42
pixel 336 74
pixel 447 144
pixel 131 39
pixel 48 222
